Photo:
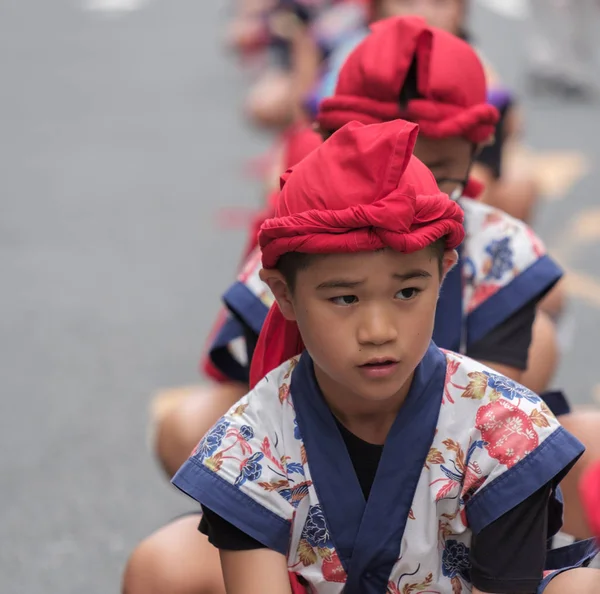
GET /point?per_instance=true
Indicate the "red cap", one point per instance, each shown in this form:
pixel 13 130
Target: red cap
pixel 299 141
pixel 451 82
pixel 362 190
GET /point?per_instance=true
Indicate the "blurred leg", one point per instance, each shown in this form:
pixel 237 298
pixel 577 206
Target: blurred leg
pixel 177 559
pixel 181 426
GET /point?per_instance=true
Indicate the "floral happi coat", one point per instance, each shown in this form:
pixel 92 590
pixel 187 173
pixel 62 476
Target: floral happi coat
pixel 467 446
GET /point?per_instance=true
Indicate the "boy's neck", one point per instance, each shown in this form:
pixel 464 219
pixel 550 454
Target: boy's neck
pixel 369 420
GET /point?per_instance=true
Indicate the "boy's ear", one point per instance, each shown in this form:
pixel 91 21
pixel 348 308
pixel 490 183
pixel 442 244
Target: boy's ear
pixel 281 291
pixel 449 260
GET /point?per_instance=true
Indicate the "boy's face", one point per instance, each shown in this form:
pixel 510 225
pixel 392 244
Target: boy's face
pixel 449 159
pixel 365 318
pixel 443 14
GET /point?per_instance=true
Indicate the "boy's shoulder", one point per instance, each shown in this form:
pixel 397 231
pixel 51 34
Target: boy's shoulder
pixel 485 223
pixel 496 443
pixel 470 385
pixel 499 250
pixel 247 457
pixel 268 405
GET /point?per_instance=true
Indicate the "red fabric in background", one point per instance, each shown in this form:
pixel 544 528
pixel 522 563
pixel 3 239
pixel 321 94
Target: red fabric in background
pixel 589 490
pixel 450 81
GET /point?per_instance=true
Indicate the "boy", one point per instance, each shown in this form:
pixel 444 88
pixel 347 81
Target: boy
pixel 374 461
pixel 515 194
pixel 505 269
pixel 495 310
pixel 504 347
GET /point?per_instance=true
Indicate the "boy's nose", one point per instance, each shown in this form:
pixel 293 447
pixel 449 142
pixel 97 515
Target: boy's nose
pixel 376 328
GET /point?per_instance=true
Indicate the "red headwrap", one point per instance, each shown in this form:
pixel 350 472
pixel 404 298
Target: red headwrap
pixel 298 141
pixel 362 190
pixel 450 82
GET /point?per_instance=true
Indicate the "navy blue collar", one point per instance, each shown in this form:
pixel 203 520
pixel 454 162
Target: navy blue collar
pixel 367 534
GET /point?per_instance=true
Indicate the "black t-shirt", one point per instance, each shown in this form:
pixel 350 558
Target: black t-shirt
pixel 507 556
pixel 508 343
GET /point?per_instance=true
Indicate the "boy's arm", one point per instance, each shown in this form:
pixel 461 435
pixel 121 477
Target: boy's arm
pixel 508 556
pixel 259 571
pixel 506 348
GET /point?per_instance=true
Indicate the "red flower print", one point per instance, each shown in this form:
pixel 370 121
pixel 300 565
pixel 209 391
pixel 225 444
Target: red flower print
pixel 536 243
pixel 451 368
pixel 507 430
pixel 483 291
pixel 471 483
pixel 333 570
pixel 491 219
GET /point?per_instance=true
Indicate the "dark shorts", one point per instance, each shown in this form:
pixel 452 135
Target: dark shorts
pixel 557 402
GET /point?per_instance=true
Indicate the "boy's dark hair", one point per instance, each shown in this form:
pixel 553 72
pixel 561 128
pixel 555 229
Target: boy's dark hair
pixel 289 264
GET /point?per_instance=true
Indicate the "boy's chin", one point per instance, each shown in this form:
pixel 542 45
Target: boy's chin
pixel 379 391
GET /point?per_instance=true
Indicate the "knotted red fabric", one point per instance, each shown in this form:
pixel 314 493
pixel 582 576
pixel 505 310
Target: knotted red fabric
pixel 450 80
pixel 362 190
pixel 298 141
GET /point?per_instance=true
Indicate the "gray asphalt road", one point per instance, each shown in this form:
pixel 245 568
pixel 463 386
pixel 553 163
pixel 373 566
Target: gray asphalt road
pixel 121 138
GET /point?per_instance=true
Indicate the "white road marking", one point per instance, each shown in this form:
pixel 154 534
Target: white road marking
pixel 114 6
pixel 512 9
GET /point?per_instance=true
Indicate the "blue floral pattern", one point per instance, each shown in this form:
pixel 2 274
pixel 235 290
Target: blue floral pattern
pixel 315 531
pixel 501 254
pixel 246 432
pixel 510 389
pixel 455 560
pixel 296 430
pixel 212 440
pixel 251 469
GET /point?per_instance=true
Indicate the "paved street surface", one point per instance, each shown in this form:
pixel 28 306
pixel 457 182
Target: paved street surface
pixel 121 138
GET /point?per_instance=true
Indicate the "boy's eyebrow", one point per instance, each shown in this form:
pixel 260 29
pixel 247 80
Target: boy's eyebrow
pixel 341 283
pixel 418 273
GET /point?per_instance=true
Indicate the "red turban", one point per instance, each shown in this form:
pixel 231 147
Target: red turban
pixel 450 80
pixel 298 141
pixel 362 190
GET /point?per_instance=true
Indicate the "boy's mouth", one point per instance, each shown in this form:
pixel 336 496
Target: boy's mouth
pixel 379 367
pixel 380 362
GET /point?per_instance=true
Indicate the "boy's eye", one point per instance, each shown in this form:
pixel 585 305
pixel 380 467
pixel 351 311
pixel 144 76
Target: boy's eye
pixel 345 300
pixel 409 293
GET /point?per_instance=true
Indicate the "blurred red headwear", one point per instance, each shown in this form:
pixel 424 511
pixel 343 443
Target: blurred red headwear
pixel 298 141
pixel 450 80
pixel 589 490
pixel 362 190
